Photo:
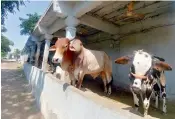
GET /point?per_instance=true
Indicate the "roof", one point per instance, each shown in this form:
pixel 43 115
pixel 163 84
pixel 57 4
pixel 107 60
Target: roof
pixel 107 12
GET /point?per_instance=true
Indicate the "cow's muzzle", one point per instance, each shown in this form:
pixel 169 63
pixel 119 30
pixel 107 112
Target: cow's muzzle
pixel 56 60
pixel 136 86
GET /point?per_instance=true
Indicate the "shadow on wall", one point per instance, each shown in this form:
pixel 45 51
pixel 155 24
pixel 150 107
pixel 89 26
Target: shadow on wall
pixel 39 85
pixel 89 84
pixel 35 78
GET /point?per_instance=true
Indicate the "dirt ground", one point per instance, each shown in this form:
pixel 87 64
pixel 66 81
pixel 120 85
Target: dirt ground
pixel 16 99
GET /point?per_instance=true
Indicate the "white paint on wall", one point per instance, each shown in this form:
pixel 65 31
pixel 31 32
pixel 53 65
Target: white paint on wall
pixel 159 41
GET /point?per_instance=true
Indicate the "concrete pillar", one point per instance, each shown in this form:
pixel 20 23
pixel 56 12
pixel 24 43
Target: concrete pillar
pixel 32 55
pixel 48 38
pixel 37 53
pixel 71 23
pixel 70 32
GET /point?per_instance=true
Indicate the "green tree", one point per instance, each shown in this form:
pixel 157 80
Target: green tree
pixel 3 29
pixel 8 7
pixel 16 53
pixel 28 24
pixel 5 45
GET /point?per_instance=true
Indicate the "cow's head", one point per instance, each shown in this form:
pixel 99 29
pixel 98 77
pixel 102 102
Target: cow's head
pixel 64 47
pixel 60 47
pixel 142 65
pixel 76 45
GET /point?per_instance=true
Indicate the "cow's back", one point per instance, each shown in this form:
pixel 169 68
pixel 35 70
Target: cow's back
pixel 95 60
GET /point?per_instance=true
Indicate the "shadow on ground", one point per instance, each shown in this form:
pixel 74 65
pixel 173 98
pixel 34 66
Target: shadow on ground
pixel 16 98
pixel 119 95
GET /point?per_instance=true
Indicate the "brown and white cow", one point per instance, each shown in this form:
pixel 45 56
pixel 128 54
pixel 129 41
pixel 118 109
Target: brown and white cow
pixel 79 61
pixel 147 78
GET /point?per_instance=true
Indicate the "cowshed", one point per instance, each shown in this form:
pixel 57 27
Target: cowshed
pixel 113 28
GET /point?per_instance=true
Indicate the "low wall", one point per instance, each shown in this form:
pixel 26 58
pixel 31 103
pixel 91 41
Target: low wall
pixel 59 100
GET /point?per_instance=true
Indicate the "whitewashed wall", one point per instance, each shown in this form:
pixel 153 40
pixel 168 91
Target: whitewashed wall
pixel 160 41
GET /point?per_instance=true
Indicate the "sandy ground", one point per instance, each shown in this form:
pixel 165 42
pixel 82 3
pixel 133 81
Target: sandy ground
pixel 16 99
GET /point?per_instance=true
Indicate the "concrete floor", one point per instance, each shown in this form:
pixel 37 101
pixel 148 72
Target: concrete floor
pixel 123 101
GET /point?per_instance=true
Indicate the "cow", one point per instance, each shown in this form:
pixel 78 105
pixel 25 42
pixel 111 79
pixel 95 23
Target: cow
pixel 147 77
pixel 79 61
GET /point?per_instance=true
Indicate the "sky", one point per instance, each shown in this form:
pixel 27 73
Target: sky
pixel 12 22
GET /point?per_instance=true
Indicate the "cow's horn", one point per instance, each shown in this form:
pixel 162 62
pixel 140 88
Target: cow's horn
pixel 139 76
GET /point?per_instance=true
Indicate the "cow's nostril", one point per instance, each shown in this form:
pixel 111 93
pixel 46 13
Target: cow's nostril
pixel 56 60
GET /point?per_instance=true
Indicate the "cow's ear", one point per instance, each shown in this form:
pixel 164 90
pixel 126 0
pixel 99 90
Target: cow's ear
pixel 52 48
pixel 163 66
pixel 123 60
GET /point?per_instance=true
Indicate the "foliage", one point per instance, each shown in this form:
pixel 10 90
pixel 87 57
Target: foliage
pixel 3 29
pixel 27 25
pixel 5 43
pixel 16 53
pixel 8 7
pixel 3 54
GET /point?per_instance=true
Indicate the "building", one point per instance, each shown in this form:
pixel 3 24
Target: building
pixel 103 26
pixel 97 25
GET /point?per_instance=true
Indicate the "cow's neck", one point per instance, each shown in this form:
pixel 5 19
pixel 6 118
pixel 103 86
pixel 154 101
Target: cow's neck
pixel 78 58
pixel 68 56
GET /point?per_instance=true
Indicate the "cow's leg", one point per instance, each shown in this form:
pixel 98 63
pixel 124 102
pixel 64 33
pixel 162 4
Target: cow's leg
pixel 103 76
pixel 157 100
pixel 80 80
pixel 156 93
pixel 109 83
pixel 73 80
pixel 146 101
pixel 136 101
pixel 163 93
pixel 146 104
pixel 163 90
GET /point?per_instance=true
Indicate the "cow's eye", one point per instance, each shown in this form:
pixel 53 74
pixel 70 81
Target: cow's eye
pixel 66 46
pixel 146 55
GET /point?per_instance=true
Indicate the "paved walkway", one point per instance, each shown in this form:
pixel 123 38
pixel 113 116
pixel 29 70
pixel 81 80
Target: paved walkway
pixel 16 99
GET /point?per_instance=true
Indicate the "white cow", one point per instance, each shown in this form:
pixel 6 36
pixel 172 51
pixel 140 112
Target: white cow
pixel 147 77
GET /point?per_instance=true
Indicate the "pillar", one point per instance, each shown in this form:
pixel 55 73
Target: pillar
pixel 71 23
pixel 48 38
pixel 37 53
